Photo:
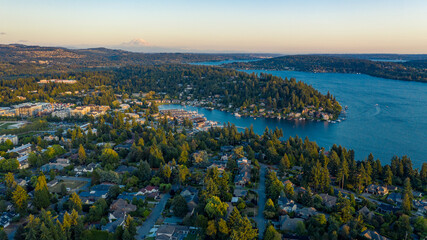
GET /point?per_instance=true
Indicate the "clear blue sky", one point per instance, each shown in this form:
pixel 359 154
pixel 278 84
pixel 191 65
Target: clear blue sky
pixel 312 26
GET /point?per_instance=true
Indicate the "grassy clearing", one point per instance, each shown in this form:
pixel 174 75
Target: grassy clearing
pixel 72 185
pixel 6 125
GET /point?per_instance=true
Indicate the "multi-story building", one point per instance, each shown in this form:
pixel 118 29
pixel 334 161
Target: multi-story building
pixel 80 111
pixel 12 138
pixel 21 150
pixel 61 113
pixel 28 110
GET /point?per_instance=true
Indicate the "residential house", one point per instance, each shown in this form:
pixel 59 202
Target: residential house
pixel 221 167
pixel 59 165
pixel 130 196
pixel 395 197
pixel 120 208
pixel 175 232
pixel 289 224
pixel 111 226
pixel 386 208
pixel 244 175
pixel 306 212
pixel 124 146
pixel 165 232
pixel 79 170
pixel 238 192
pixel 96 192
pixel 149 192
pixel 370 234
pixel 190 195
pixel 300 190
pixel 21 182
pixel 6 219
pixel 417 194
pixel 366 213
pixel 287 205
pixel 328 200
pixel 52 183
pixel 376 189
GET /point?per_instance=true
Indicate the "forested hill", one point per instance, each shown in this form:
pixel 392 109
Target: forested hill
pixel 21 60
pixel 410 71
pixel 223 88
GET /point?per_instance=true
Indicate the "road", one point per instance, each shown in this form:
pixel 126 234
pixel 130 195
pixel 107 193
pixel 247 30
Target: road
pixel 260 220
pixel 144 230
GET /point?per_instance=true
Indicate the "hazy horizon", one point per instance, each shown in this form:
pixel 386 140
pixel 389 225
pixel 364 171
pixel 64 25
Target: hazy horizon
pixel 276 27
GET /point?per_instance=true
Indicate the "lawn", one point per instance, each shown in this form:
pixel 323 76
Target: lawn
pixel 4 125
pixel 73 185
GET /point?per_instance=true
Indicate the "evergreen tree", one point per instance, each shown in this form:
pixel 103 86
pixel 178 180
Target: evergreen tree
pixel 20 198
pixel 388 178
pixel 3 235
pixel 272 234
pixel 41 193
pixel 82 154
pixel 76 202
pixel 144 171
pixel 179 206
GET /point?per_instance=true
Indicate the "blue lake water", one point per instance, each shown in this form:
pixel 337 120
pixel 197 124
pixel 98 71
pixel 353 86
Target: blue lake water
pixel 385 117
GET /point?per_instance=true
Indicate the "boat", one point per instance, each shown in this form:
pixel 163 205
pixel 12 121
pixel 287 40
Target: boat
pixel 346 107
pixel 237 115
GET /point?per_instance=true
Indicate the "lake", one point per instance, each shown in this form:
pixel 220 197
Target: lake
pixel 385 117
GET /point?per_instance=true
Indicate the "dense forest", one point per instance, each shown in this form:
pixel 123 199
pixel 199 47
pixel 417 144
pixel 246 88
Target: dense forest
pixel 409 71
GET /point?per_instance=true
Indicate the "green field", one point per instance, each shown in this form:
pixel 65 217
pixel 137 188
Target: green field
pixel 5 125
pixel 73 185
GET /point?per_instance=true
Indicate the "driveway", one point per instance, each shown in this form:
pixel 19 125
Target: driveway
pixel 259 219
pixel 144 230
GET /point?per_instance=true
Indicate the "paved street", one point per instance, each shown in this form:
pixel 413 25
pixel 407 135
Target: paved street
pixel 151 220
pixel 260 220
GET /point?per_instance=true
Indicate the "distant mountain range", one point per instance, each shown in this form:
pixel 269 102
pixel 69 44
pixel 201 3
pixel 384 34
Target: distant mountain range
pixel 18 53
pixel 17 60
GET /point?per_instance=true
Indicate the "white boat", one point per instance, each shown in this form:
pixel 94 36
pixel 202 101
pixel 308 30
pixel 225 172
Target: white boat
pixel 237 115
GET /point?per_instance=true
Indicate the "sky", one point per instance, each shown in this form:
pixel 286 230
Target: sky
pixel 259 26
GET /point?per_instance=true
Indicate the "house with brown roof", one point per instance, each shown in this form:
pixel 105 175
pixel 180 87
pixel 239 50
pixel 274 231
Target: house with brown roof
pixel 306 212
pixel 120 208
pixel 289 224
pixel 376 189
pixel 365 212
pixel 369 234
pixel 328 200
pixel 122 205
